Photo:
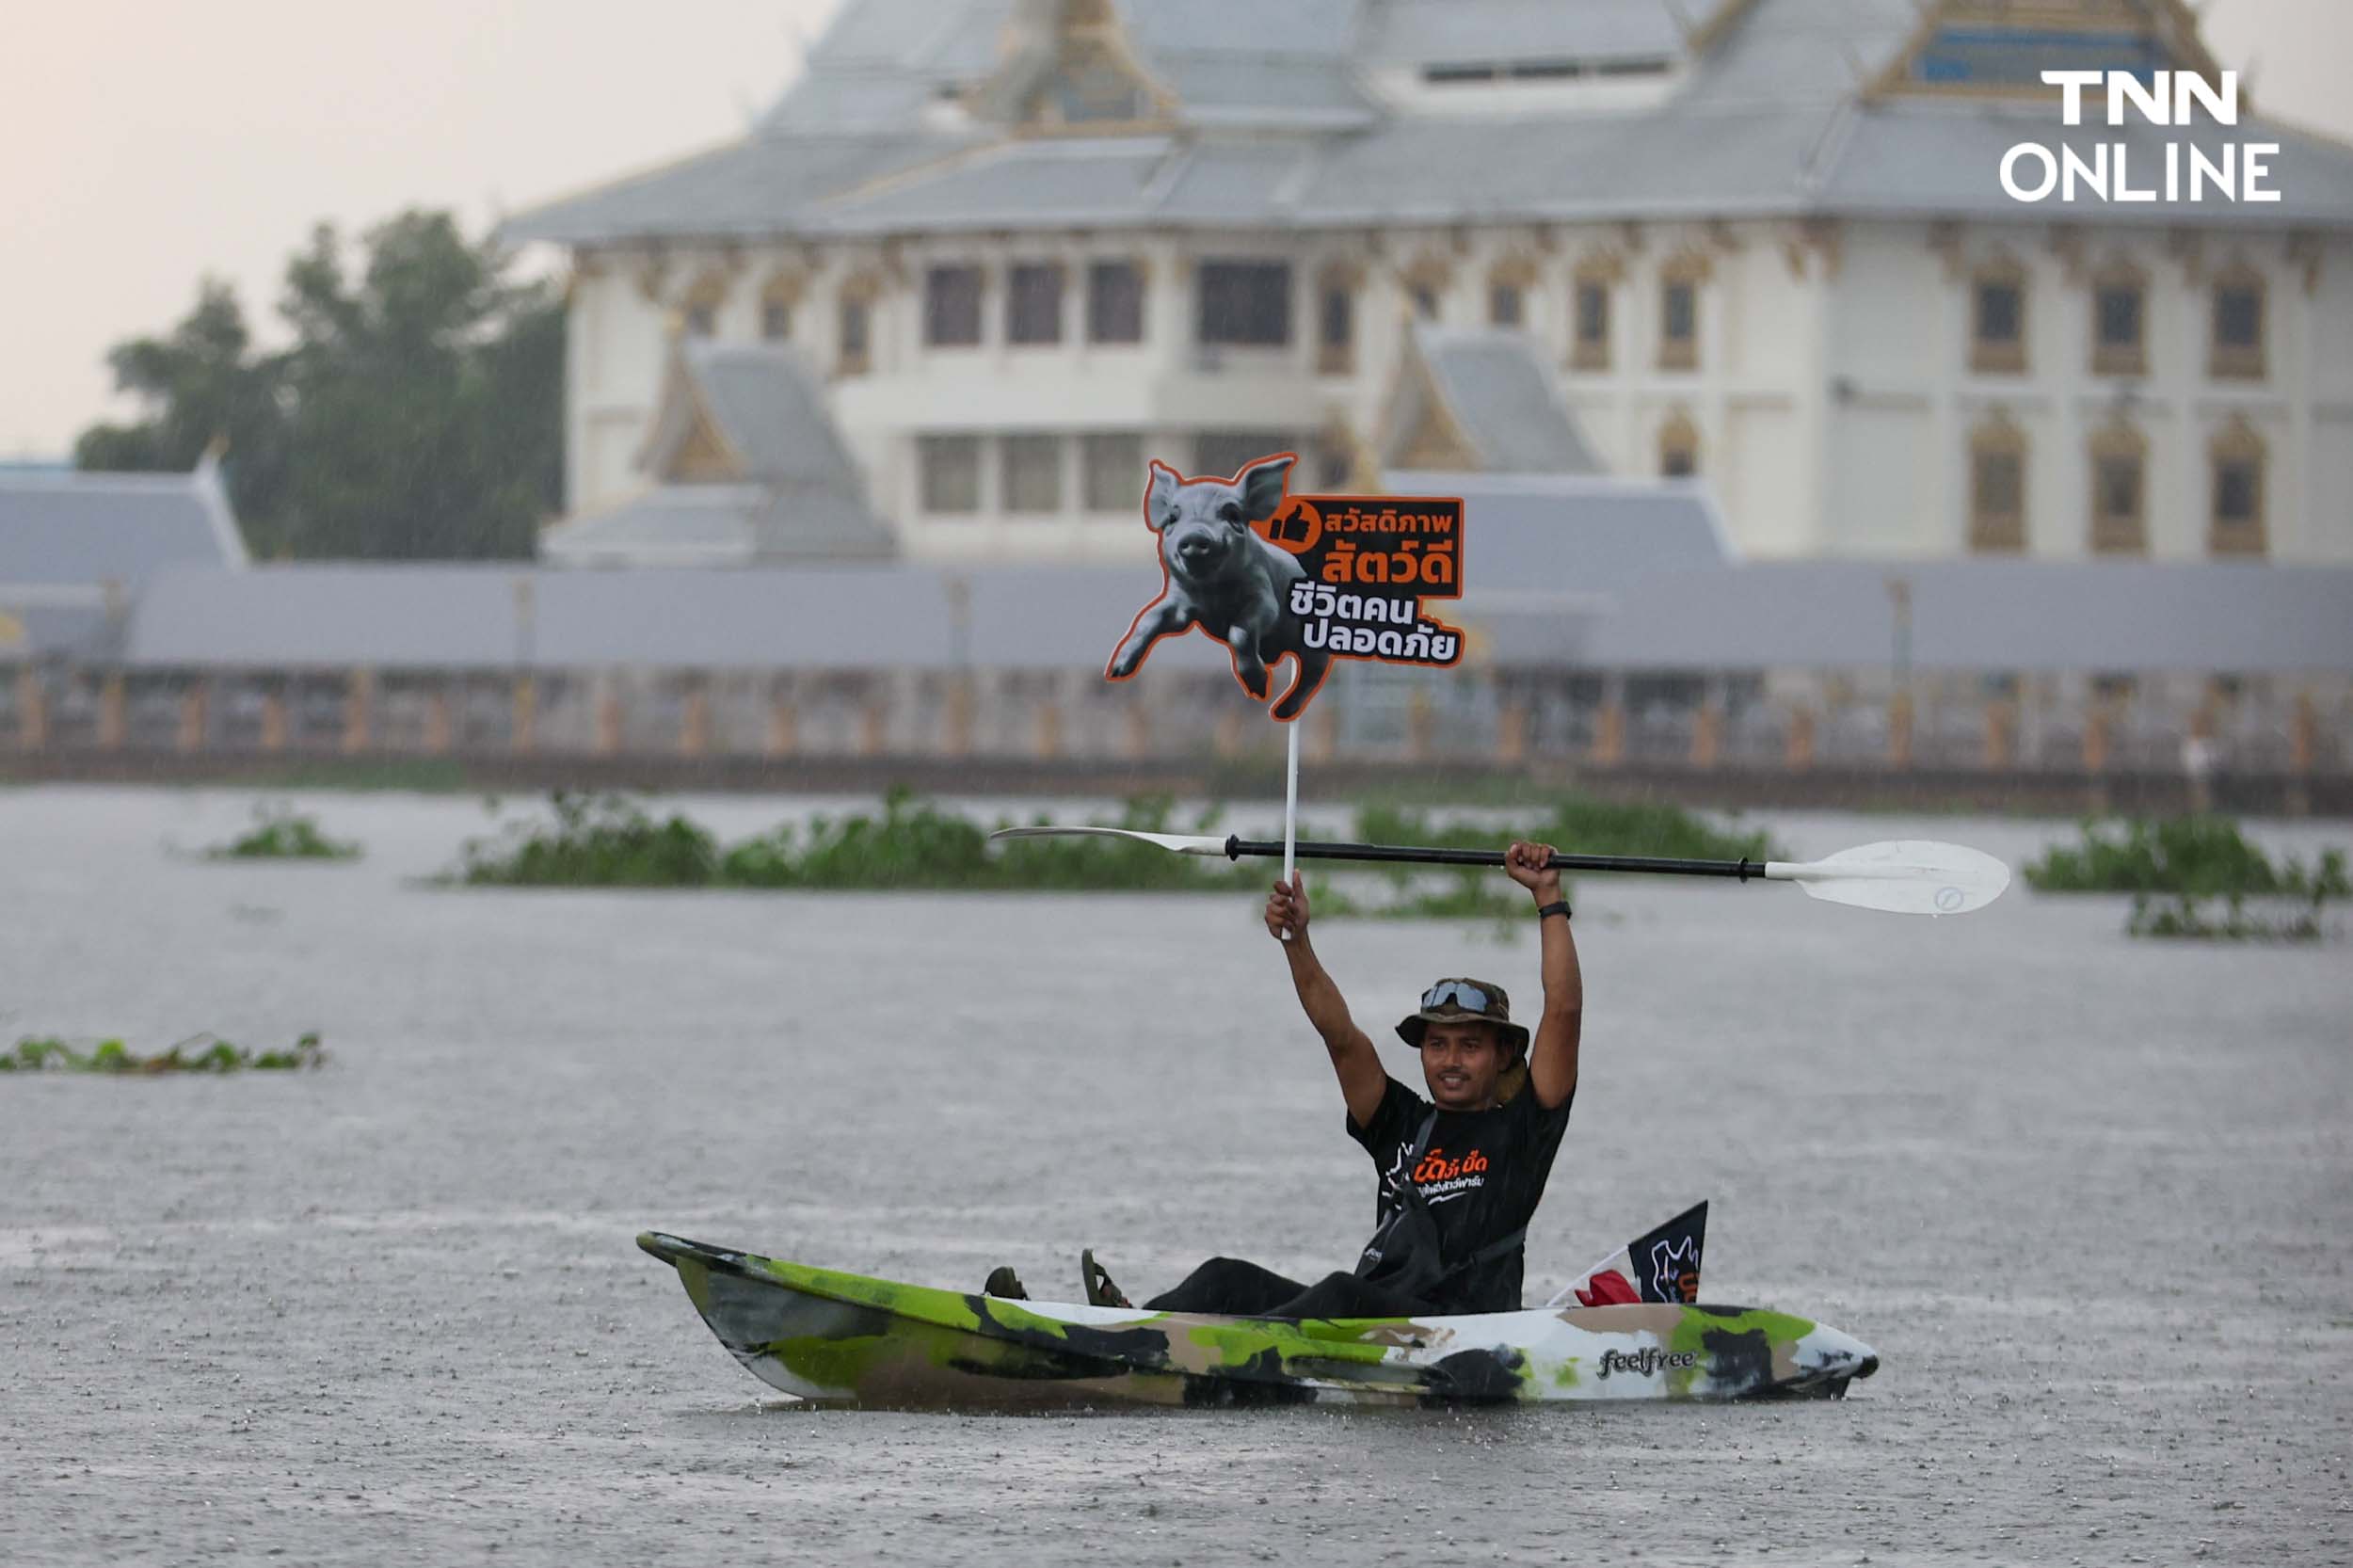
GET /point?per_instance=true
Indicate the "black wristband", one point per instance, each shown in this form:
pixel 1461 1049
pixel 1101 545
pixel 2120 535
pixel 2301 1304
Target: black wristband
pixel 1558 906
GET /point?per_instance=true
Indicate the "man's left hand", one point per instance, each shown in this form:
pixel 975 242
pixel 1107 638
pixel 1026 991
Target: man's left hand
pixel 1530 866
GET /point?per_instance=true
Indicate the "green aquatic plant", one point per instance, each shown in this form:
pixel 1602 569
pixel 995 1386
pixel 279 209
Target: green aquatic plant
pixel 200 1053
pixel 2175 915
pixel 281 833
pixel 604 840
pixel 1577 824
pixel 2193 857
pixel 911 843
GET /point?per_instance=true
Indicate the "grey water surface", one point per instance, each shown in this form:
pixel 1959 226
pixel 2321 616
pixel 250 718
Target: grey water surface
pixel 2088 1196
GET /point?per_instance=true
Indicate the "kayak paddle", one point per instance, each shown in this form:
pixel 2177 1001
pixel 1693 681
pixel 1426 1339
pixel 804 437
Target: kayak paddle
pixel 1905 876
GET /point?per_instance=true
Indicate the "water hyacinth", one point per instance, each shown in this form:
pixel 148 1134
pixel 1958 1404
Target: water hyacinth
pixel 2179 869
pixel 281 833
pixel 199 1053
pixel 2194 856
pixel 611 842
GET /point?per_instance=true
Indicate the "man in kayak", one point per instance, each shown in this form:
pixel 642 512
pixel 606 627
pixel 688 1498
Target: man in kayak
pixel 1460 1173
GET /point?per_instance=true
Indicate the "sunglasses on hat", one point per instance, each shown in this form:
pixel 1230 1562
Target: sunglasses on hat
pixel 1460 992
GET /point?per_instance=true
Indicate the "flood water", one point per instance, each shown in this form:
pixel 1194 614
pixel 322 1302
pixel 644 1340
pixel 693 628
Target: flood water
pixel 2088 1196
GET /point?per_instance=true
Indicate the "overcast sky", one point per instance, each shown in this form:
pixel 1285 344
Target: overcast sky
pixel 144 143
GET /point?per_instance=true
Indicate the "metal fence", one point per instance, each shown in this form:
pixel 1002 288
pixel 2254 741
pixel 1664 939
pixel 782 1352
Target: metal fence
pixel 1789 722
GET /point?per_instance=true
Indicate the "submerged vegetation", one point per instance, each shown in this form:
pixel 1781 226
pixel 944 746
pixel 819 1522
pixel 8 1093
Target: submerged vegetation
pixel 2171 915
pixel 613 841
pixel 1577 824
pixel 281 833
pixel 2194 856
pixel 201 1053
pixel 2180 869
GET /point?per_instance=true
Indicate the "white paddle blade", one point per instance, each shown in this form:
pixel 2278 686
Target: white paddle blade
pixel 1903 876
pixel 1178 844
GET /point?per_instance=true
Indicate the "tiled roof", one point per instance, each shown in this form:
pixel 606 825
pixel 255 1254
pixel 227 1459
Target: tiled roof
pixel 1771 120
pixel 680 525
pixel 92 528
pixel 1559 536
pixel 1564 582
pixel 796 494
pixel 1463 32
pixel 76 548
pixel 772 408
pixel 2079 615
pixel 1495 387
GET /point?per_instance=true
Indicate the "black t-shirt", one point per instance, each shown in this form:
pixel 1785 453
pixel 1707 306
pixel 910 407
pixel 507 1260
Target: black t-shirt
pixel 1482 1174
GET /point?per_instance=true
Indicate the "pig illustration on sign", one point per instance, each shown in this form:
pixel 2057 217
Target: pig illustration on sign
pixel 1221 574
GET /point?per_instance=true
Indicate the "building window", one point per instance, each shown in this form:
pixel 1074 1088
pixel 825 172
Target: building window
pixel 2237 346
pixel 1115 302
pixel 1031 477
pixel 1220 452
pixel 1997 488
pixel 2119 323
pixel 1245 304
pixel 952 307
pixel 1589 348
pixel 699 312
pixel 1426 283
pixel 1678 447
pixel 2235 526
pixel 854 324
pixel 1997 320
pixel 1033 303
pixel 952 473
pixel 1679 313
pixel 2120 458
pixel 1115 470
pixel 1507 291
pixel 1335 320
pixel 781 292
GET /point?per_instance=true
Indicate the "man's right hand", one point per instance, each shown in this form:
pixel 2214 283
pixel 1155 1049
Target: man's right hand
pixel 1287 909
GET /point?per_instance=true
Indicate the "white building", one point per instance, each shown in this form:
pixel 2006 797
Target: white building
pixel 1030 243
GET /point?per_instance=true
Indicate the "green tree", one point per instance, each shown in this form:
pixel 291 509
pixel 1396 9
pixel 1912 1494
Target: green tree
pixel 418 413
pixel 201 383
pixel 427 397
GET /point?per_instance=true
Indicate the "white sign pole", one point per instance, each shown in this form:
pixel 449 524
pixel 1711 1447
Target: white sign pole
pixel 1291 802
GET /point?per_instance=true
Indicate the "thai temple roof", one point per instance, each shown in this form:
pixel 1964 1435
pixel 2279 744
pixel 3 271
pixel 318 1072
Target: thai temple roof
pixel 76 548
pixel 1484 399
pixel 747 468
pixel 943 115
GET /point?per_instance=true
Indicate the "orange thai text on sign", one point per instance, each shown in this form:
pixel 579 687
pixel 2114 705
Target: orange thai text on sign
pixel 1397 543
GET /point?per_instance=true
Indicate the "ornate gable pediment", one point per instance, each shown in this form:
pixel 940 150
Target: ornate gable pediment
pixel 1069 68
pixel 1421 430
pixel 1999 48
pixel 685 444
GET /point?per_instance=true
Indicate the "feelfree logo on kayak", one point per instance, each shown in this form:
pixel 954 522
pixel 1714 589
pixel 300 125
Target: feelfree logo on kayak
pixel 1642 1363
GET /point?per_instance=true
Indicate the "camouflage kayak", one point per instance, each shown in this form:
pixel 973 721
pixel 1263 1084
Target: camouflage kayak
pixel 843 1338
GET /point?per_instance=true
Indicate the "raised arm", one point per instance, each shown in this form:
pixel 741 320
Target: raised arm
pixel 1552 1055
pixel 1363 1081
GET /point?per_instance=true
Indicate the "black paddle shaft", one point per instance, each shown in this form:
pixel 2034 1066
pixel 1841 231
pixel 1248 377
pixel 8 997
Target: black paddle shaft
pixel 1415 855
